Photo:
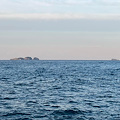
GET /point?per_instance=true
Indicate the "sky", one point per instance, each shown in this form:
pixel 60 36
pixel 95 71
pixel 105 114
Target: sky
pixel 60 29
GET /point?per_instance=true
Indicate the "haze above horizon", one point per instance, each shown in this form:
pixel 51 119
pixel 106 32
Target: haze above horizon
pixel 62 29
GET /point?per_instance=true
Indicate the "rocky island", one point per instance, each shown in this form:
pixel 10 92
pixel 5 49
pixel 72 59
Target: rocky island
pixel 114 59
pixel 26 58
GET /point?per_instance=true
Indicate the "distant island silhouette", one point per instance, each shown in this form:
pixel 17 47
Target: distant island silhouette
pixel 114 59
pixel 26 58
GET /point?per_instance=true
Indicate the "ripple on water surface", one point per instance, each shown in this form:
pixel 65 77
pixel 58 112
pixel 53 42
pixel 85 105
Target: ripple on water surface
pixel 59 90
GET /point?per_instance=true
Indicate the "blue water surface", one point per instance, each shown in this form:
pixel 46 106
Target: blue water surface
pixel 59 90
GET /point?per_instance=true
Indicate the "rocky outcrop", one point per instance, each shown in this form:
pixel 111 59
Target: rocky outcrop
pixel 35 58
pixel 114 59
pixel 26 58
pixel 20 58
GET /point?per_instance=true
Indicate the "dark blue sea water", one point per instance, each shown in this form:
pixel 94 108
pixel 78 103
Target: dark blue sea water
pixel 59 90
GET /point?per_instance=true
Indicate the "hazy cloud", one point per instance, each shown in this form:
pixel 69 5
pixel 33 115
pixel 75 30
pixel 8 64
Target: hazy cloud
pixel 45 6
pixel 109 2
pixel 61 16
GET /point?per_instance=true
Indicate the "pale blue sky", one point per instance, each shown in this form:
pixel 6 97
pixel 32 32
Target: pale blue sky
pixel 60 29
pixel 60 6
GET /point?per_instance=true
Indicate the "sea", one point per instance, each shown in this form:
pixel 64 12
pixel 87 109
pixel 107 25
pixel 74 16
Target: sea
pixel 59 90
